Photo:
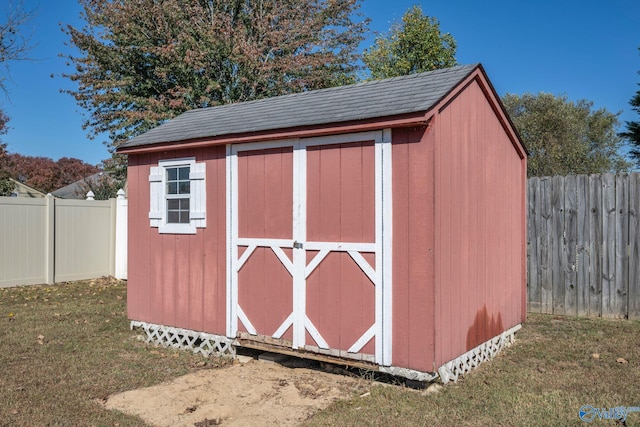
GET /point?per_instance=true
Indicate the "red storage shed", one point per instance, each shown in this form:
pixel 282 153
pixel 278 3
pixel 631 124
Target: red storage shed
pixel 380 224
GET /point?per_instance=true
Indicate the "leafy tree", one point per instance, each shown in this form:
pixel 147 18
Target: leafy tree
pixel 142 62
pixel 6 186
pixel 633 130
pixel 36 172
pixel 100 184
pixel 412 46
pixel 14 45
pixel 116 179
pixel 46 175
pixel 566 137
pixel 70 170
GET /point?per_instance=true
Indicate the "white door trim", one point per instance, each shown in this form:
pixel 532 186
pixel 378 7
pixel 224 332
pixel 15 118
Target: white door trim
pixel 299 235
pixel 380 276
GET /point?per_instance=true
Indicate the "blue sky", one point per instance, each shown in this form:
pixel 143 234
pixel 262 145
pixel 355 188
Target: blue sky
pixel 585 49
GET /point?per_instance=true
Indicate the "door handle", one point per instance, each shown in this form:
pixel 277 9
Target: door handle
pixel 297 245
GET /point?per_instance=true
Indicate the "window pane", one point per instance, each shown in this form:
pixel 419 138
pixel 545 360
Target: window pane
pixel 172 174
pixel 184 173
pixel 178 211
pixel 172 188
pixel 173 217
pixel 184 187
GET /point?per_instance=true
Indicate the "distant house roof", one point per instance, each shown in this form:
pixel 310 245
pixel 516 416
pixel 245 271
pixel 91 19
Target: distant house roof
pixel 76 189
pixel 368 100
pixel 23 190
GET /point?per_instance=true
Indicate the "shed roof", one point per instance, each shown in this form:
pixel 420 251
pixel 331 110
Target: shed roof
pixel 368 100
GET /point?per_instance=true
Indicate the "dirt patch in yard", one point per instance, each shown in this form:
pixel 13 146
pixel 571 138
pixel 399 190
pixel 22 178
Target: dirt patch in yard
pixel 243 394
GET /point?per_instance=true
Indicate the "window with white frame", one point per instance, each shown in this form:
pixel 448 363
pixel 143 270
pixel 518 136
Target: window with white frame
pixel 178 196
pixel 178 191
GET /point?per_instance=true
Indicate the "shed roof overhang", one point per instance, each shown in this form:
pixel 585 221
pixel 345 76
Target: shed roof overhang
pixel 450 83
pixel 404 120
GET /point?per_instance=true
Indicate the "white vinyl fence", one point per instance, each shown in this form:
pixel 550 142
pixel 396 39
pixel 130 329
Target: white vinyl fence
pixel 55 240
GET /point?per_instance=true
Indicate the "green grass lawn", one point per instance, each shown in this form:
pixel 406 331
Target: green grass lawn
pixel 557 365
pixel 65 348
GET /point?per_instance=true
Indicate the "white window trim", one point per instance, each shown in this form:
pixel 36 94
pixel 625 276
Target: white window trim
pixel 158 196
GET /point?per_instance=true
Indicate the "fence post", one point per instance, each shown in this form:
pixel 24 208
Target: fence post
pixel 49 244
pixel 121 236
pixel 633 303
pixel 112 237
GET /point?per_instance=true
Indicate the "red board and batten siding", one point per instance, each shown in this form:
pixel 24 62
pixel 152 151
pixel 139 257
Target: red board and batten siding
pixel 341 208
pixel 413 248
pixel 479 224
pixel 458 232
pixel 178 279
pixel 265 192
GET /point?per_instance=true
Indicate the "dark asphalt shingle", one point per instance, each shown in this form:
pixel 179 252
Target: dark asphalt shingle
pixel 367 100
pixel 76 190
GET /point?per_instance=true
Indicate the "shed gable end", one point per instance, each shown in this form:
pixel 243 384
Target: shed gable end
pixel 479 80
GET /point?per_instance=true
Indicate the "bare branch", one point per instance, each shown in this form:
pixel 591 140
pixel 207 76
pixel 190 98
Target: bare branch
pixel 14 42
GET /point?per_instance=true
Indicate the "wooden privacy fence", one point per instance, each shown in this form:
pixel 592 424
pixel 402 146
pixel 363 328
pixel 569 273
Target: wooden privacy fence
pixel 584 245
pixel 52 240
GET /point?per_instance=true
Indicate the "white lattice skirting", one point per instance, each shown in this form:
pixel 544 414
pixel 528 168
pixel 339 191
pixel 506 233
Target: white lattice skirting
pixel 456 368
pixel 184 339
pixel 209 344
